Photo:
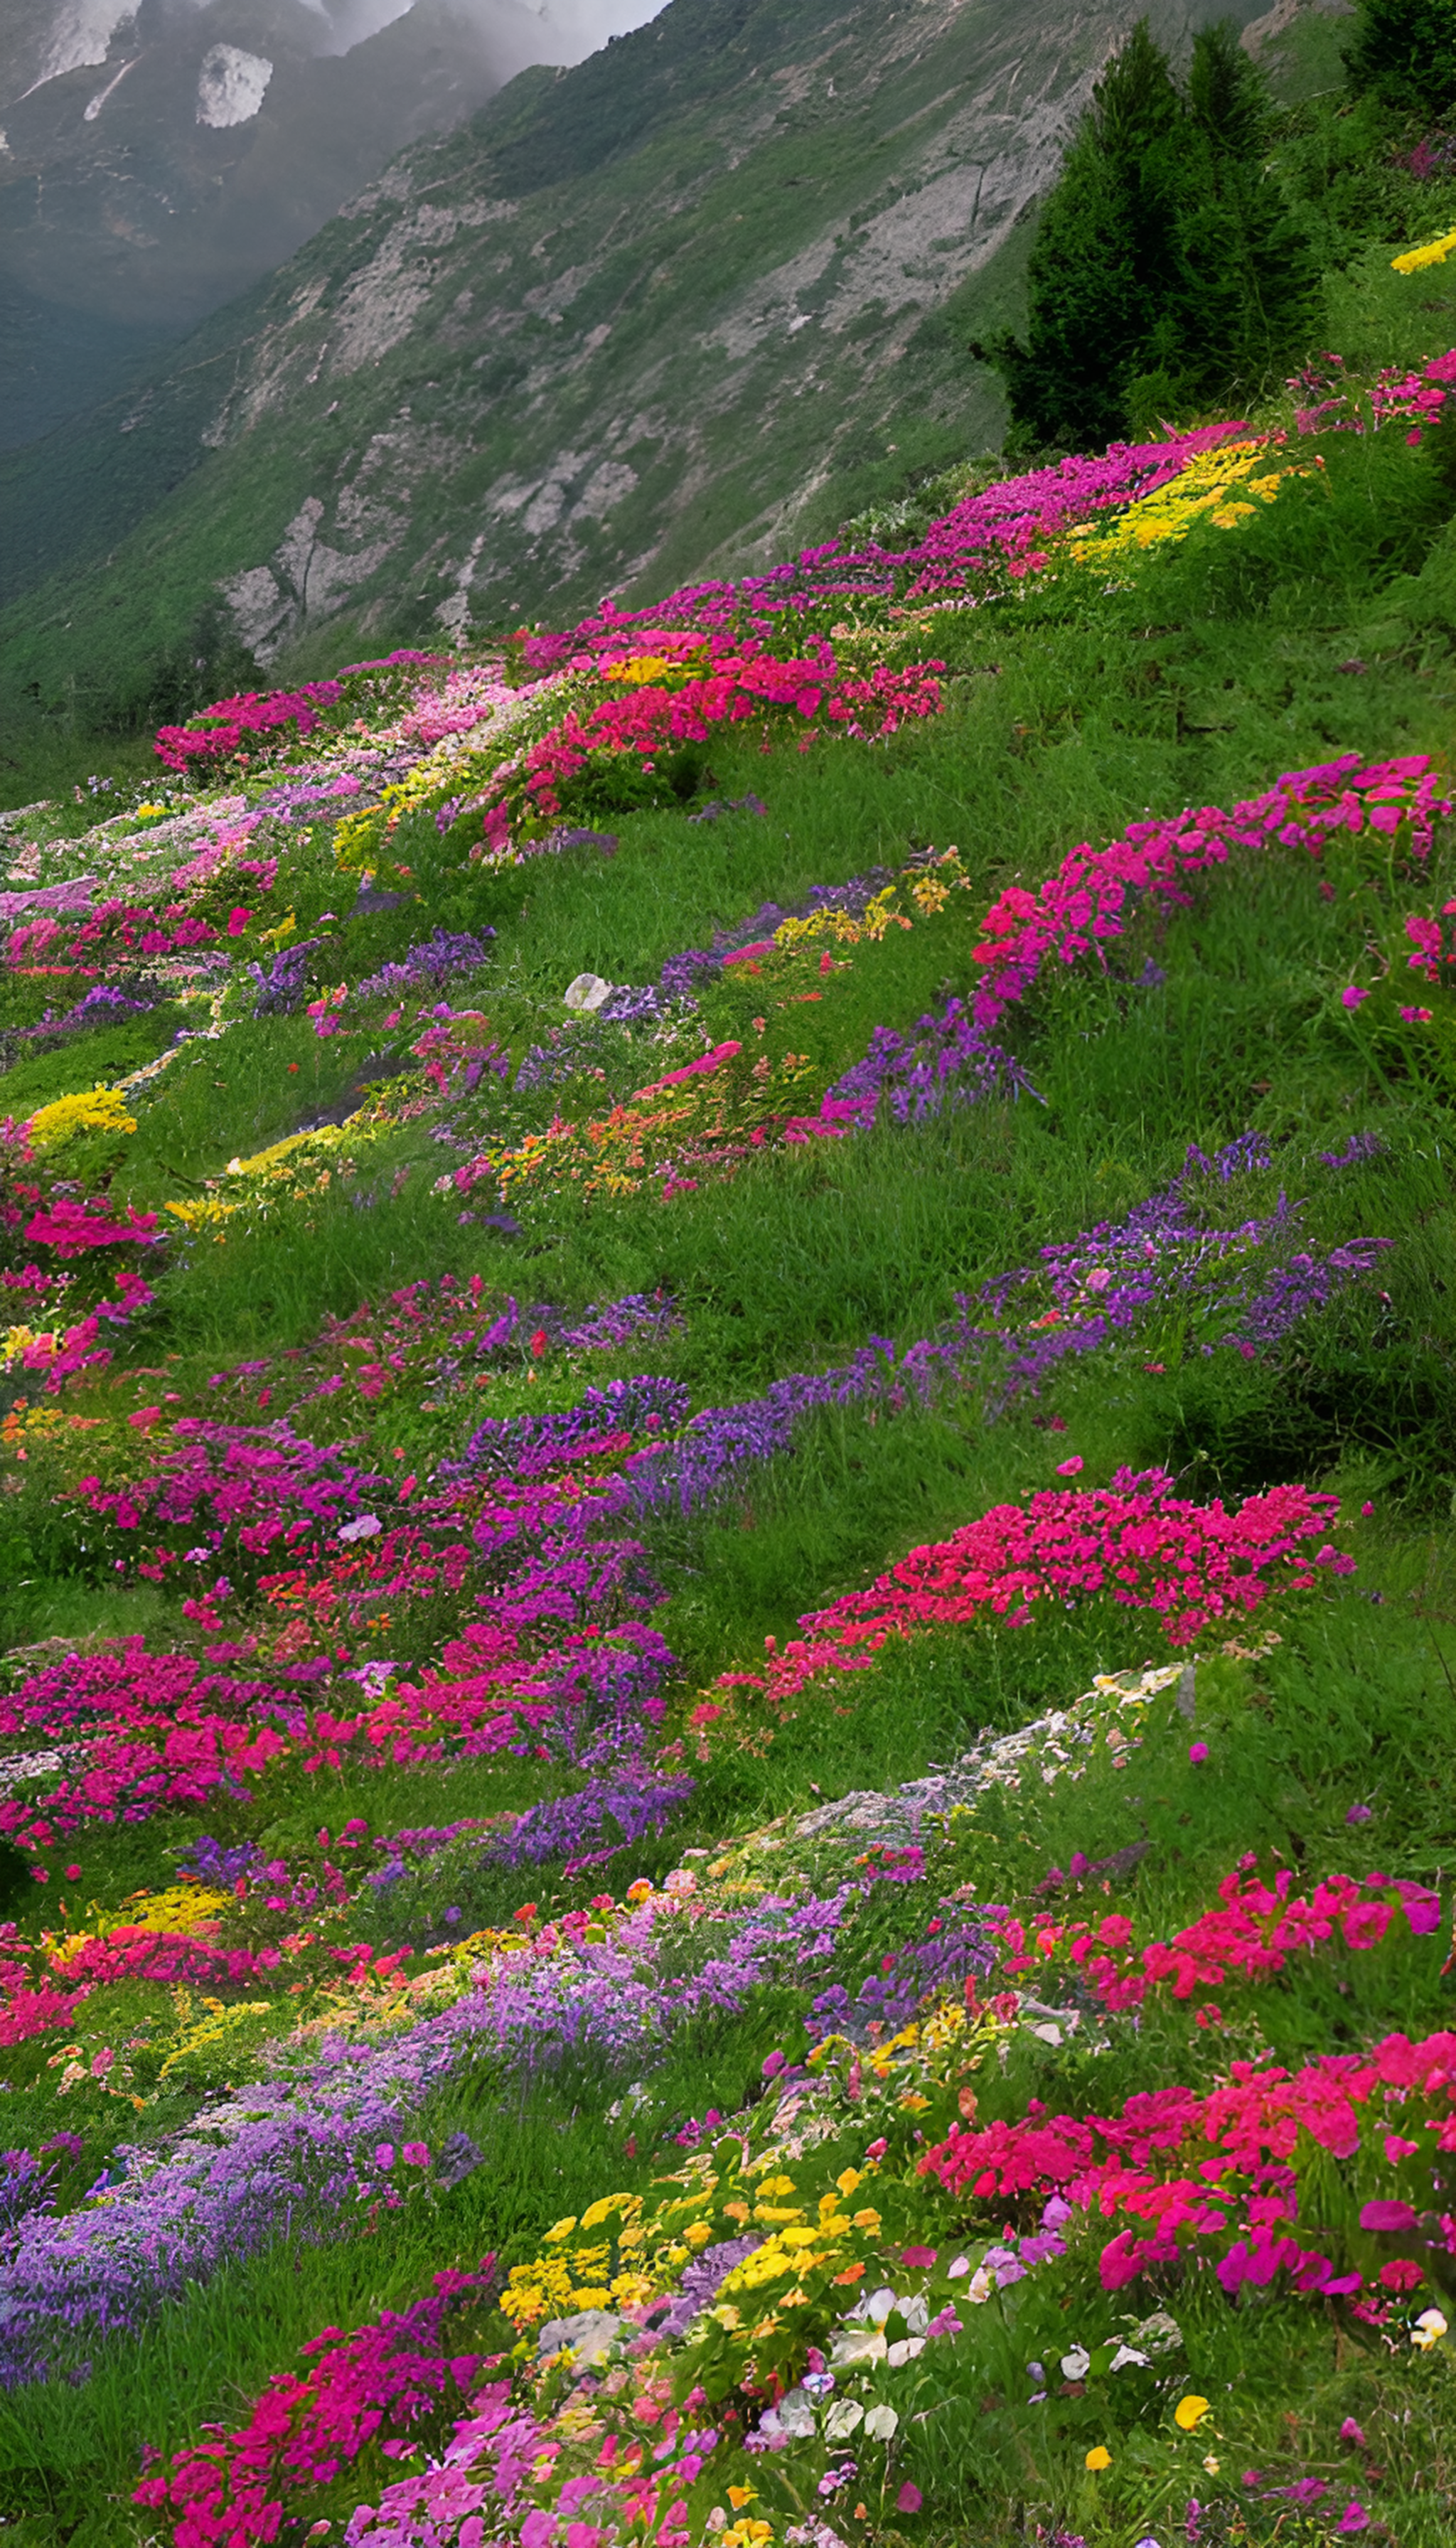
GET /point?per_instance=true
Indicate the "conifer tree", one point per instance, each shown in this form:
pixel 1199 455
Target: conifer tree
pixel 1258 277
pixel 1166 268
pixel 1404 52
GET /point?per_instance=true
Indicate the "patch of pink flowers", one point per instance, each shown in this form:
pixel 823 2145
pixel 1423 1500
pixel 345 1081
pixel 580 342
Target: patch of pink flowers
pixel 1253 1935
pixel 380 2386
pixel 1218 2175
pixel 1133 1542
pixel 1089 898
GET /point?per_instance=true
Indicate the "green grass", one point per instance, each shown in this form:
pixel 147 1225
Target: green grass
pixel 1070 714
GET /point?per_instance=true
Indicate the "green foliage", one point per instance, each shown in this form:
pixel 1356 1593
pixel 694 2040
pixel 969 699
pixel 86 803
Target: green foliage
pixel 1404 52
pixel 1167 270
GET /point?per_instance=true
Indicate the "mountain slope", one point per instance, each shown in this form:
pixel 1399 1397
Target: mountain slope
pixel 158 160
pixel 621 328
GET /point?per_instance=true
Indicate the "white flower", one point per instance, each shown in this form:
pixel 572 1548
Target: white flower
pixel 961 2266
pixel 1428 2330
pixel 880 2305
pixel 858 2344
pixel 904 2351
pixel 882 2424
pixel 1076 2364
pixel 915 2311
pixel 980 2286
pixel 1125 2354
pixel 843 2417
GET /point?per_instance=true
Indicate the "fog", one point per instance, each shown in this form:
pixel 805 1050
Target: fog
pixel 159 156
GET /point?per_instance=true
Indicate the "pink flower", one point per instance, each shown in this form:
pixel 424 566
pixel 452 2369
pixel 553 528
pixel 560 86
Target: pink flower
pixel 385 2155
pixel 237 922
pixel 1387 2217
pixel 1069 1468
pixel 1198 1753
pixel 1417 1017
pixel 415 2153
pixel 909 2498
pixel 1358 1814
pixel 1352 995
pixel 1350 2431
pixel 1354 2517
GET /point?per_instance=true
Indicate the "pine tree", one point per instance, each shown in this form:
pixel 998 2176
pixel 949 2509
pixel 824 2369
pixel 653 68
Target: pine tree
pixel 1106 250
pixel 1404 52
pixel 1166 269
pixel 1259 278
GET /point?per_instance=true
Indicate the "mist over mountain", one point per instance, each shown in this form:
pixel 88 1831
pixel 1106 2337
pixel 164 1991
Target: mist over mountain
pixel 661 316
pixel 159 156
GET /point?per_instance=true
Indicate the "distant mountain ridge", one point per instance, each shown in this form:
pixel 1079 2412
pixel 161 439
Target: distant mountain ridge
pixel 159 156
pixel 623 327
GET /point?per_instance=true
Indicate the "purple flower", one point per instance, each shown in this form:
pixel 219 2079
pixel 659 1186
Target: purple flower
pixel 428 965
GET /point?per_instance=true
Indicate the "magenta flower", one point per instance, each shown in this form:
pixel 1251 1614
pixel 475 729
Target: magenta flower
pixel 1198 1753
pixel 1387 2217
pixel 1352 995
pixel 909 2498
pixel 1354 2517
pixel 385 2155
pixel 1358 1814
pixel 1069 1468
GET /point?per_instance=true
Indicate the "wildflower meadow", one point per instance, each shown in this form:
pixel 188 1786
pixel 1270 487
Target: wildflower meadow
pixel 726 1531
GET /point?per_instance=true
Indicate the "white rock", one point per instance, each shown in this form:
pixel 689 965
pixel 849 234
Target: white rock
pixel 587 992
pixel 230 86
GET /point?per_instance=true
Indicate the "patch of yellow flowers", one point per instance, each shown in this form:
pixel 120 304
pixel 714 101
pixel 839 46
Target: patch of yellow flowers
pixel 95 1110
pixel 1218 487
pixel 1436 253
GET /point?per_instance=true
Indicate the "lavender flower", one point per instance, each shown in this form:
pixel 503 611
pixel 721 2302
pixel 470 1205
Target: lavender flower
pixel 428 965
pixel 103 1005
pixel 281 989
pixel 575 1827
pixel 946 1061
pixel 283 2156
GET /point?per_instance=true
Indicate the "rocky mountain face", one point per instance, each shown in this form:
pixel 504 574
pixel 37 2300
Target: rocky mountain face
pixel 158 156
pixel 642 320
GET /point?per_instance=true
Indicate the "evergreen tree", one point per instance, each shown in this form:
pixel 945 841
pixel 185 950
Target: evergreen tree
pixel 1166 268
pixel 1404 52
pixel 1258 277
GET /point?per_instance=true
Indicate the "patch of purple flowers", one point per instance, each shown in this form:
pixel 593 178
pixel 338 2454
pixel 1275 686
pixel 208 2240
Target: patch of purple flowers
pixel 574 1828
pixel 890 1997
pixel 428 965
pixel 281 989
pixel 946 1060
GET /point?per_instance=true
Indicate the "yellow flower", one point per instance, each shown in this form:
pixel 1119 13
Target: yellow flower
pixel 1098 2459
pixel 1436 253
pixel 1428 2330
pixel 739 2496
pixel 1189 2414
pixel 98 1110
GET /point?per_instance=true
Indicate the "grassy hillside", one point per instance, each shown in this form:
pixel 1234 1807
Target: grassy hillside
pixel 723 1750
